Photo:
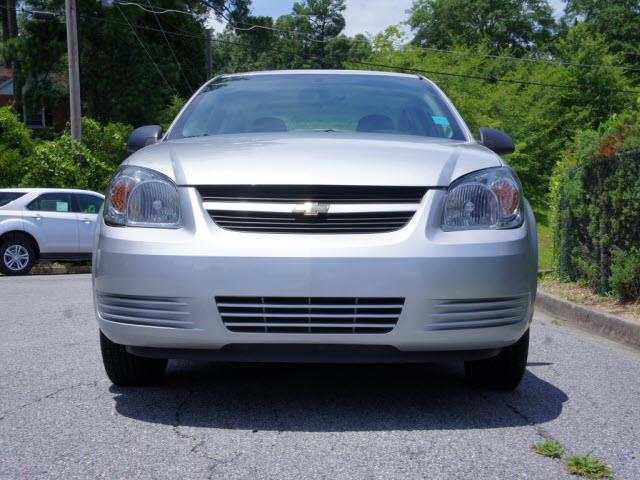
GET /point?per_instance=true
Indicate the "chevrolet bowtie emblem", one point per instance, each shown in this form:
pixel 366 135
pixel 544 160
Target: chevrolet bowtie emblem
pixel 311 209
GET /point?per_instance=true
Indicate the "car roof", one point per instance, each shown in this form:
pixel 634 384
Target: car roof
pixel 323 72
pixel 49 190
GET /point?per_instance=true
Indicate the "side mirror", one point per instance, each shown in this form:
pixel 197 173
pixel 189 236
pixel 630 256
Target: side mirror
pixel 496 140
pixel 143 136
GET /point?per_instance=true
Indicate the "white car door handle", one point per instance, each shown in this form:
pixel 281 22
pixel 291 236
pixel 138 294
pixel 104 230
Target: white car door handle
pixel 86 220
pixel 37 217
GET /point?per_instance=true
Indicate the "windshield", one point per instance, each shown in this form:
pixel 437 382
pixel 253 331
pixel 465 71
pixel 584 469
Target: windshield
pixel 7 197
pixel 318 102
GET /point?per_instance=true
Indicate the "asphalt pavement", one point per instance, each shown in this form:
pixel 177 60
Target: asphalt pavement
pixel 60 417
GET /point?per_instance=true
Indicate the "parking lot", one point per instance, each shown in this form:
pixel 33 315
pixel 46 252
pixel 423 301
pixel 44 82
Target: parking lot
pixel 61 417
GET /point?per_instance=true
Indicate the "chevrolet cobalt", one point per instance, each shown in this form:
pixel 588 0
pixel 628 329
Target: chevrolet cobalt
pixel 316 216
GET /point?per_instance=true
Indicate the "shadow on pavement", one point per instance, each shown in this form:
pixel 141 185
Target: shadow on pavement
pixel 334 398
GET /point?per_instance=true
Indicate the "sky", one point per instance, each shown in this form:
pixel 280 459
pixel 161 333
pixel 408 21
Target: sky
pixel 362 16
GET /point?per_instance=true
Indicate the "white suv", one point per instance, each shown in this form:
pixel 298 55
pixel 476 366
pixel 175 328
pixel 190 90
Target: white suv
pixel 45 224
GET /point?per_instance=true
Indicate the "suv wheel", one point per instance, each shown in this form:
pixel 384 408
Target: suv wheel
pixel 126 369
pixel 503 371
pixel 16 256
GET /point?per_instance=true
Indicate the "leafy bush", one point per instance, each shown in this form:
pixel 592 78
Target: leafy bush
pixel 624 281
pixel 64 162
pixel 16 146
pixel 595 205
pixel 107 142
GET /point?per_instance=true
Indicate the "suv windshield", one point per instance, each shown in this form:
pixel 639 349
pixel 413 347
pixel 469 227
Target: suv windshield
pixel 8 197
pixel 318 102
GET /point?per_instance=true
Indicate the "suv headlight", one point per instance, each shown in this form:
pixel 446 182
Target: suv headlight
pixel 139 197
pixel 486 199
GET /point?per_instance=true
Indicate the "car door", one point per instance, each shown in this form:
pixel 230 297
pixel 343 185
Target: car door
pixel 52 215
pixel 86 207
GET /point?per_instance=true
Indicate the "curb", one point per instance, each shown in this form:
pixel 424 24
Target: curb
pixel 58 269
pixel 603 324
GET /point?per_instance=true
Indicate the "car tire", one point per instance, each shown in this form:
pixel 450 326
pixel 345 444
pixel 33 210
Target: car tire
pixel 17 256
pixel 126 369
pixel 502 372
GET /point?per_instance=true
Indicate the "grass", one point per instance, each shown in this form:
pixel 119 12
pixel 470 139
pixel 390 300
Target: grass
pixel 583 295
pixel 545 240
pixel 549 448
pixel 589 467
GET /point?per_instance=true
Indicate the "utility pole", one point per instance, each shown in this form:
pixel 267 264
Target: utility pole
pixel 74 68
pixel 11 26
pixel 209 54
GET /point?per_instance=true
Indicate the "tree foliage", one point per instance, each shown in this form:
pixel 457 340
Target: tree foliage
pixel 618 21
pixel 131 61
pixel 16 145
pixel 309 37
pixel 514 25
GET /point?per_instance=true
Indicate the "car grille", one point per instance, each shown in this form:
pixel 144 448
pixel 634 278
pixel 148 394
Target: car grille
pixel 348 209
pixel 457 314
pixel 150 311
pixel 274 222
pixel 341 315
pixel 311 193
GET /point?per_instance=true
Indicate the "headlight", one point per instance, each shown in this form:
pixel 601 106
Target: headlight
pixel 487 199
pixel 139 197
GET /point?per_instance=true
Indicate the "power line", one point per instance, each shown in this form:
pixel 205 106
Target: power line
pixel 173 53
pixel 235 26
pixel 369 64
pixel 531 60
pixel 394 67
pixel 252 26
pixel 146 51
pixel 152 9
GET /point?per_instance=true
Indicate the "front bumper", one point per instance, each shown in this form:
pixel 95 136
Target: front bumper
pixel 420 263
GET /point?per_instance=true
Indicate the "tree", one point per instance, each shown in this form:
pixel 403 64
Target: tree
pixel 309 37
pixel 617 20
pixel 132 61
pixel 514 25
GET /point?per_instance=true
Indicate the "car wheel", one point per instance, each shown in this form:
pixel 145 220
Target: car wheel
pixel 16 256
pixel 126 369
pixel 504 371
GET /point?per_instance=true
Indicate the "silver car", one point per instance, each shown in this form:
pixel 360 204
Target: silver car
pixel 316 216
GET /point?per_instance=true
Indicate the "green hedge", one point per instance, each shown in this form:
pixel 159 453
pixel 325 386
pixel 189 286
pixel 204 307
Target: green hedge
pixel 26 161
pixel 596 210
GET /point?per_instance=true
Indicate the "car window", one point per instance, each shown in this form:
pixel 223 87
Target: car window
pixel 8 197
pixel 87 203
pixel 319 102
pixel 51 202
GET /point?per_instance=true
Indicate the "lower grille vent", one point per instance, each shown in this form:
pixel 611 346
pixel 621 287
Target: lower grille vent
pixel 457 314
pixel 150 311
pixel 342 315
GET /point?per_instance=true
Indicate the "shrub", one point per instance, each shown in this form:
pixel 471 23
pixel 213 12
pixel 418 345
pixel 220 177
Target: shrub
pixel 595 205
pixel 107 142
pixel 624 280
pixel 66 163
pixel 16 146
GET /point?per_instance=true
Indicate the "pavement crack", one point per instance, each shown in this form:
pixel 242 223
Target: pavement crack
pixel 198 442
pixel 49 395
pixel 218 463
pixel 177 424
pixel 542 432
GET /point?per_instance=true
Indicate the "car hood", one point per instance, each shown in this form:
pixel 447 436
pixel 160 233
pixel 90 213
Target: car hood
pixel 323 158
